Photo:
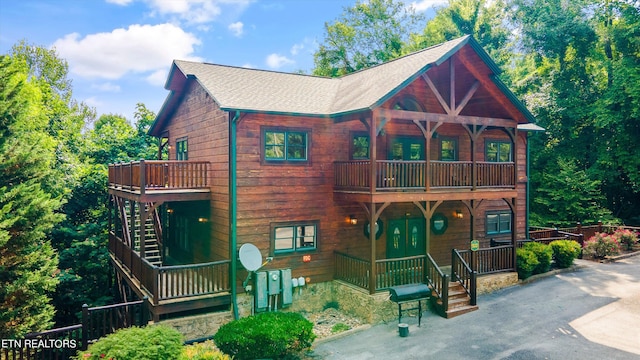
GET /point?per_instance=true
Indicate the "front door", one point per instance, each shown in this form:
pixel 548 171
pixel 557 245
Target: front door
pixel 405 237
pixel 406 148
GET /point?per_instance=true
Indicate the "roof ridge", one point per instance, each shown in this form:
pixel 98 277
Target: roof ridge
pixel 254 69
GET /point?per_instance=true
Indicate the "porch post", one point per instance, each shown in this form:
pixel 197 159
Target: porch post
pixel 372 240
pixel 373 156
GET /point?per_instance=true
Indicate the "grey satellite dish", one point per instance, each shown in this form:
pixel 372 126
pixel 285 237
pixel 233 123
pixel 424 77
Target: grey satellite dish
pixel 250 257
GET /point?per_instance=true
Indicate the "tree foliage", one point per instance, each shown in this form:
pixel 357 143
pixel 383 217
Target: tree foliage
pixel 367 34
pixel 28 262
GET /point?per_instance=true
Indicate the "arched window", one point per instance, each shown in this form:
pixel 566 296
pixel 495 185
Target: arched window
pixel 408 103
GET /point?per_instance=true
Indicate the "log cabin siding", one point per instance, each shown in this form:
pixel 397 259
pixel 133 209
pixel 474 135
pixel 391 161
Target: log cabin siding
pixel 199 119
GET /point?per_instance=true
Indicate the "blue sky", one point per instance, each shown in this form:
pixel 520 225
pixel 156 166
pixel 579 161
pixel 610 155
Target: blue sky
pixel 119 51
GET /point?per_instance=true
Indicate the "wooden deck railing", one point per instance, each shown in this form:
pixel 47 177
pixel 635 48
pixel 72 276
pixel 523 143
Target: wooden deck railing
pixel 464 274
pixel 389 272
pixel 411 175
pixel 490 260
pixel 145 175
pixel 172 282
pixel 63 343
pixel 438 281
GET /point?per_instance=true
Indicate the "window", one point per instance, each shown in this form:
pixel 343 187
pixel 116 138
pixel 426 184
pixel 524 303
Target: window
pixel 499 222
pixel 285 146
pixel 360 147
pixel 181 149
pixel 498 151
pixel 294 237
pixel 449 149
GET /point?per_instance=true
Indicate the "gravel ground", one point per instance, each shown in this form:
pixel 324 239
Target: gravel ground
pixel 324 321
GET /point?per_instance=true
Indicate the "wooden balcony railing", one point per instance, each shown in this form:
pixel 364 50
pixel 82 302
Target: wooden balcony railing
pixel 490 260
pixel 147 175
pixel 172 282
pixel 411 175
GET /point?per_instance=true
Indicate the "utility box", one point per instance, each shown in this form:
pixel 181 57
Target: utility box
pixel 273 280
pixel 287 287
pixel 261 295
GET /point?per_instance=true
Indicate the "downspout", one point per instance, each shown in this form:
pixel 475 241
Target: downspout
pixel 528 189
pixel 233 211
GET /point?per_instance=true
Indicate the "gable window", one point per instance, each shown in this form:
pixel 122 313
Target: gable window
pixel 291 237
pixel 498 151
pixel 360 147
pixel 449 149
pixel 498 222
pixel 286 145
pixel 182 152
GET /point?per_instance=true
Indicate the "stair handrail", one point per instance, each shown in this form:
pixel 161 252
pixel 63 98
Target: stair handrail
pixel 464 274
pixel 438 281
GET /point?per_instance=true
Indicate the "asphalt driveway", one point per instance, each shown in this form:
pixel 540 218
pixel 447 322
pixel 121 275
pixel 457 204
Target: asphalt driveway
pixel 589 313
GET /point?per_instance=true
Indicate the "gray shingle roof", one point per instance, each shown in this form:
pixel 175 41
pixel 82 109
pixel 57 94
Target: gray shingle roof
pixel 243 89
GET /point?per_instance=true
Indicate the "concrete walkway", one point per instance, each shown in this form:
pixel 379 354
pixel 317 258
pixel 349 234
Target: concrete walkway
pixel 592 312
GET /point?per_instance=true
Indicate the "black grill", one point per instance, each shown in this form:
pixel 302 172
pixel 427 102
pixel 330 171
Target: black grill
pixel 407 293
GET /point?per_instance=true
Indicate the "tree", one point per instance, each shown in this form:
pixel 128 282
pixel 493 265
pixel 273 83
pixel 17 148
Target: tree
pixel 485 20
pixel 28 262
pixel 367 34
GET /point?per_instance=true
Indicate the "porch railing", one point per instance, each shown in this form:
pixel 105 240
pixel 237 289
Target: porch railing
pixel 464 274
pixel 147 175
pixel 411 175
pixel 490 260
pixel 438 281
pixel 389 272
pixel 172 282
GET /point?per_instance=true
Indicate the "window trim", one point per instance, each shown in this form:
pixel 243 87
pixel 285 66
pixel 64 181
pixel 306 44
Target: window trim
pixel 295 249
pixel 286 130
pixel 456 156
pixel 179 142
pixel 498 141
pixel 499 213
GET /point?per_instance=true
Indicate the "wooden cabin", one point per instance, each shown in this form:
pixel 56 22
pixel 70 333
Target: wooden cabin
pixel 429 148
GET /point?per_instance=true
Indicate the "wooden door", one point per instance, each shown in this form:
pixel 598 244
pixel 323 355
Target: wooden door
pixel 405 237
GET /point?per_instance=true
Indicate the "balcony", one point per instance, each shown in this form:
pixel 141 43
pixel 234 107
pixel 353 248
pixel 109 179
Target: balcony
pixel 149 180
pixel 392 176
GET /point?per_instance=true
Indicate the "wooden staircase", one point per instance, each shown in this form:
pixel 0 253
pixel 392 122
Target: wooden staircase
pixel 459 302
pixel 152 248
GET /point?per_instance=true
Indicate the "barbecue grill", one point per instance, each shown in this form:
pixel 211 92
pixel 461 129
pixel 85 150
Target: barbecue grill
pixel 403 294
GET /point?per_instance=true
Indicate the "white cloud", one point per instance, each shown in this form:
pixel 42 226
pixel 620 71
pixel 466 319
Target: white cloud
pixel 137 49
pixel 158 77
pixel 295 49
pixel 196 11
pixel 106 87
pixel 120 2
pixel 237 28
pixel 424 5
pixel 276 61
pixel 93 101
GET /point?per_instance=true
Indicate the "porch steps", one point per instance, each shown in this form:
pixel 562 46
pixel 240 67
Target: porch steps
pixel 459 302
pixel 152 246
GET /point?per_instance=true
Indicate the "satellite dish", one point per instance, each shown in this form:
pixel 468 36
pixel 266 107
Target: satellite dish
pixel 250 257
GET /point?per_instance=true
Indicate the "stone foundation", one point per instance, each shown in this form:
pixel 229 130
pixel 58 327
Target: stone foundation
pixel 199 326
pixel 490 283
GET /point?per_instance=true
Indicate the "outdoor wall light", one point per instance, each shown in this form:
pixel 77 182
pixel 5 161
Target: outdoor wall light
pixel 202 220
pixel 458 214
pixel 353 220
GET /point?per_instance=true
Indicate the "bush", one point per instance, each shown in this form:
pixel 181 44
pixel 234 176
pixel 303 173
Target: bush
pixel 543 253
pixel 203 351
pixel 266 335
pixel 526 262
pixel 564 252
pixel 601 245
pixel 626 238
pixel 148 343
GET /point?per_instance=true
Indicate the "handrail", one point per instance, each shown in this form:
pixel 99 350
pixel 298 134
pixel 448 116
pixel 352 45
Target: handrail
pixel 438 281
pixel 146 175
pixel 462 273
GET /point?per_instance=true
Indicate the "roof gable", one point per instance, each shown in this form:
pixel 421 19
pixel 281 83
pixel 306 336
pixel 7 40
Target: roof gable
pixel 251 90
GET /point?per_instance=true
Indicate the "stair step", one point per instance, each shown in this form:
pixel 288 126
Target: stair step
pixel 460 310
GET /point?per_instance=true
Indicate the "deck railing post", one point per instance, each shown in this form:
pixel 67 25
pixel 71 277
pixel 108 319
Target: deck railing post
pixel 85 327
pixel 143 178
pixel 144 311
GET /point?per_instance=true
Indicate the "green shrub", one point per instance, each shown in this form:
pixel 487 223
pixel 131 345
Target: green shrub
pixel 339 327
pixel 203 351
pixel 601 245
pixel 526 262
pixel 564 252
pixel 543 253
pixel 267 335
pixel 148 343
